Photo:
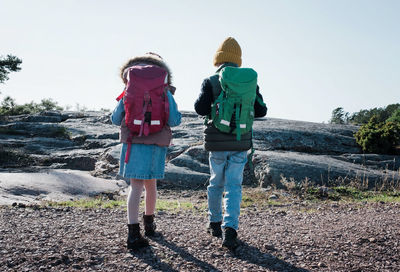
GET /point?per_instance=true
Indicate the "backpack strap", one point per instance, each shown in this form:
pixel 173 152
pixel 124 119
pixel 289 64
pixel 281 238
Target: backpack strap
pixel 166 105
pixel 237 120
pixel 128 149
pixel 121 95
pixel 144 128
pixel 250 156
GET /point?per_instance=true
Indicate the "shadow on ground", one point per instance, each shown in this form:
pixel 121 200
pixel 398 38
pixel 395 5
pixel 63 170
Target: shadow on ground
pixel 244 252
pixel 253 255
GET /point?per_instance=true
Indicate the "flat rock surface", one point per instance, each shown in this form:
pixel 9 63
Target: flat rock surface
pixel 299 237
pixel 55 185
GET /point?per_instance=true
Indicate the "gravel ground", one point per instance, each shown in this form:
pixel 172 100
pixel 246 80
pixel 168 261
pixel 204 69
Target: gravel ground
pixel 297 237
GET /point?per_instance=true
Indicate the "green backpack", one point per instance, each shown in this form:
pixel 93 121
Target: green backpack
pixel 233 109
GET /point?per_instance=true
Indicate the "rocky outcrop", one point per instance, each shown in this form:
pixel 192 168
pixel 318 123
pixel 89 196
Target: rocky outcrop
pixel 285 150
pixel 53 184
pixel 305 137
pixel 318 153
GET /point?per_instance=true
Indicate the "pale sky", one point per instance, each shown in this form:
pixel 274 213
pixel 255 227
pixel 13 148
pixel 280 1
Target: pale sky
pixel 311 55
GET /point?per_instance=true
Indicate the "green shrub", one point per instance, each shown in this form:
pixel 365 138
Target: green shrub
pixel 379 137
pixel 9 107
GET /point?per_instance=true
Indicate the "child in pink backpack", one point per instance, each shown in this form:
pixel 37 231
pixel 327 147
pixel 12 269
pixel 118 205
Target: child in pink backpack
pixel 143 153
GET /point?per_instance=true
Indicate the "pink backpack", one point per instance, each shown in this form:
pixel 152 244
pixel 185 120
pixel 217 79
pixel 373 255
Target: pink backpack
pixel 145 101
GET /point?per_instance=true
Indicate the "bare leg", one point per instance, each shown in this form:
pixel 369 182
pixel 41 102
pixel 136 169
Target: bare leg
pixel 151 196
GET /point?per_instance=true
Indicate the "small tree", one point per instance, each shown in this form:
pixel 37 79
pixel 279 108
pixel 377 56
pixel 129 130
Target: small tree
pixel 339 116
pixel 395 117
pixel 7 104
pixel 7 65
pixel 48 105
pixel 381 114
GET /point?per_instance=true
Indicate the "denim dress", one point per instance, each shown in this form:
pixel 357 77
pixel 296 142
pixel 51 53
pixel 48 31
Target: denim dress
pixel 145 161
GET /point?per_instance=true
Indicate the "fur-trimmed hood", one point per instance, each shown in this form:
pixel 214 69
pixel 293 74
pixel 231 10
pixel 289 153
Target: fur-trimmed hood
pixel 146 59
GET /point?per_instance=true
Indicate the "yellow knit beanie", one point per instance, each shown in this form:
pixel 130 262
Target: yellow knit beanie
pixel 228 51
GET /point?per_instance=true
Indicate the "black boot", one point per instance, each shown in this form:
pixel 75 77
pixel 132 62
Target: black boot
pixel 135 239
pixel 214 228
pixel 229 238
pixel 149 225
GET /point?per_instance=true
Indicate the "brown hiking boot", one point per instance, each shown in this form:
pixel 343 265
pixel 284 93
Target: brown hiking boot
pixel 135 239
pixel 214 228
pixel 229 238
pixel 149 225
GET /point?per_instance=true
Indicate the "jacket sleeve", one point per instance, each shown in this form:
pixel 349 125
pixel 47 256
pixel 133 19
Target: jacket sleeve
pixel 203 103
pixel 118 113
pixel 174 115
pixel 260 110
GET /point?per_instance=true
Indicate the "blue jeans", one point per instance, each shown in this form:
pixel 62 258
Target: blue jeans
pixel 226 169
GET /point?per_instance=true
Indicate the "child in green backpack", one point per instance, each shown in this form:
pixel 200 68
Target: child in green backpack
pixel 228 147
